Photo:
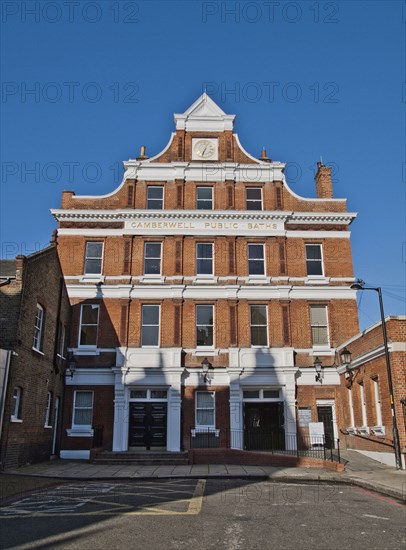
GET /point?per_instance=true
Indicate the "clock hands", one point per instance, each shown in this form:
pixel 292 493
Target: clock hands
pixel 204 149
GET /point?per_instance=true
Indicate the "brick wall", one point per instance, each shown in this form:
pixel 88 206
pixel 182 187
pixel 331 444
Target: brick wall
pixel 283 257
pixel 342 323
pixel 10 297
pixel 103 417
pixel 34 372
pixel 369 371
pixel 222 412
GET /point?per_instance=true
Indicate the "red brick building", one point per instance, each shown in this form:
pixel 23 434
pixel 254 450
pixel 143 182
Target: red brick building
pixel 34 323
pixel 367 417
pixel 204 252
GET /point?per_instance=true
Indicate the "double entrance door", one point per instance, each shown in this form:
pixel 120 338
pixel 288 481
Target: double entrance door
pixel 147 426
pixel 264 426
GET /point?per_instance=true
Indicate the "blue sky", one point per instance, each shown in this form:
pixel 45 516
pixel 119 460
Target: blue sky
pixel 85 84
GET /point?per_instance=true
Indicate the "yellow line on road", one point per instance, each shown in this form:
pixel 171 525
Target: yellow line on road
pixel 194 508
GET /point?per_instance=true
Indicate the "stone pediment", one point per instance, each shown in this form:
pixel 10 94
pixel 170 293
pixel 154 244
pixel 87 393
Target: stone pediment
pixel 204 115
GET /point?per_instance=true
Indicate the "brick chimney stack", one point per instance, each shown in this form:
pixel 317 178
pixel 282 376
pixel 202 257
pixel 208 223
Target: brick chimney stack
pixel 20 260
pixel 324 186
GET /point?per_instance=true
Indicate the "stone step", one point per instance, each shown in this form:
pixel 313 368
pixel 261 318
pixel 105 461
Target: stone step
pixel 142 461
pixel 154 458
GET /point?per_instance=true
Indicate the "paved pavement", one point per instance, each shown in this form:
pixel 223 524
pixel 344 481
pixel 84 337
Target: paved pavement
pixel 360 470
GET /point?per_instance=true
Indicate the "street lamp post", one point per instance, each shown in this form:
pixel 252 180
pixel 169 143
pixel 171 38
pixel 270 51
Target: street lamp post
pixel 359 285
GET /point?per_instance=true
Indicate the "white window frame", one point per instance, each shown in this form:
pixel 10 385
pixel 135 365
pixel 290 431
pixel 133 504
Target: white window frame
pixel 326 326
pixel 148 394
pixel 94 258
pixel 153 258
pixel 159 325
pixel 251 325
pixel 363 404
pixel 256 260
pixel 212 259
pixel 16 412
pixel 38 328
pixel 48 410
pixel 204 200
pixel 321 261
pixel 82 427
pixel 151 199
pixel 261 397
pixel 377 397
pixel 60 352
pixel 247 200
pixel 89 346
pixel 210 346
pixel 205 426
pixel 351 407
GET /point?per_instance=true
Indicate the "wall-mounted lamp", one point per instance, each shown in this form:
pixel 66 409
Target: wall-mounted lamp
pixel 350 373
pixel 319 370
pixel 345 356
pixel 206 367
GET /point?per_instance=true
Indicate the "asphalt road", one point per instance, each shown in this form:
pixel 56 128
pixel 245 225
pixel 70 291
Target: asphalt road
pixel 198 514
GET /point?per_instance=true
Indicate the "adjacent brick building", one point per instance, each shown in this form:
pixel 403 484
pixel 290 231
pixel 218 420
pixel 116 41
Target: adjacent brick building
pixel 366 411
pixel 34 322
pixel 204 252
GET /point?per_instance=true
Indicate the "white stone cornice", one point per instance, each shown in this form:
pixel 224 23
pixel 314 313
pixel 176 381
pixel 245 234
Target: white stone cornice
pixel 370 355
pixel 251 358
pixel 306 377
pixel 308 234
pixel 166 216
pixel 159 215
pixel 210 292
pixel 213 172
pixel 322 218
pixel 91 376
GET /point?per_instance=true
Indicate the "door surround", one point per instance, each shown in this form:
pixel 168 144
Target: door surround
pixel 330 403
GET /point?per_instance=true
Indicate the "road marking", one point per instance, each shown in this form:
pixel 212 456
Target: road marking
pixel 14 510
pixel 375 495
pixel 372 516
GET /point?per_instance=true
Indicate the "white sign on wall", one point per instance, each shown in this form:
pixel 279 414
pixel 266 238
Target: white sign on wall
pixel 171 226
pixel 304 417
pixel 316 432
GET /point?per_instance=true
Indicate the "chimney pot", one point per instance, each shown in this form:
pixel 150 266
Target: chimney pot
pixel 264 156
pixel 142 155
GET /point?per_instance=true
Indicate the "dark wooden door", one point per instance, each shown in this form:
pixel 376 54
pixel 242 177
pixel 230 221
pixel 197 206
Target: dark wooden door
pixel 147 425
pixel 264 426
pixel 325 415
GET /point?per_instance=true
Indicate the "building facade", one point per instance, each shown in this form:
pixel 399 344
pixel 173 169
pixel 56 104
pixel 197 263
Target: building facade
pixel 202 289
pixel 367 416
pixel 34 327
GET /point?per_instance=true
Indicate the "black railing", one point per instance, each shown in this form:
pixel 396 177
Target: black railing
pixel 272 442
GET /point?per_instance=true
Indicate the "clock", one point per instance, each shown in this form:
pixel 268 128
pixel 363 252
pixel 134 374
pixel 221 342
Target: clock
pixel 204 149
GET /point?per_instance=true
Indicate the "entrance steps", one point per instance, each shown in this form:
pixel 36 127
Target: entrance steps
pixel 141 458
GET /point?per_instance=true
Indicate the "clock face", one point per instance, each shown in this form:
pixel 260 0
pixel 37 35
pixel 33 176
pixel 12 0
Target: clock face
pixel 205 149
